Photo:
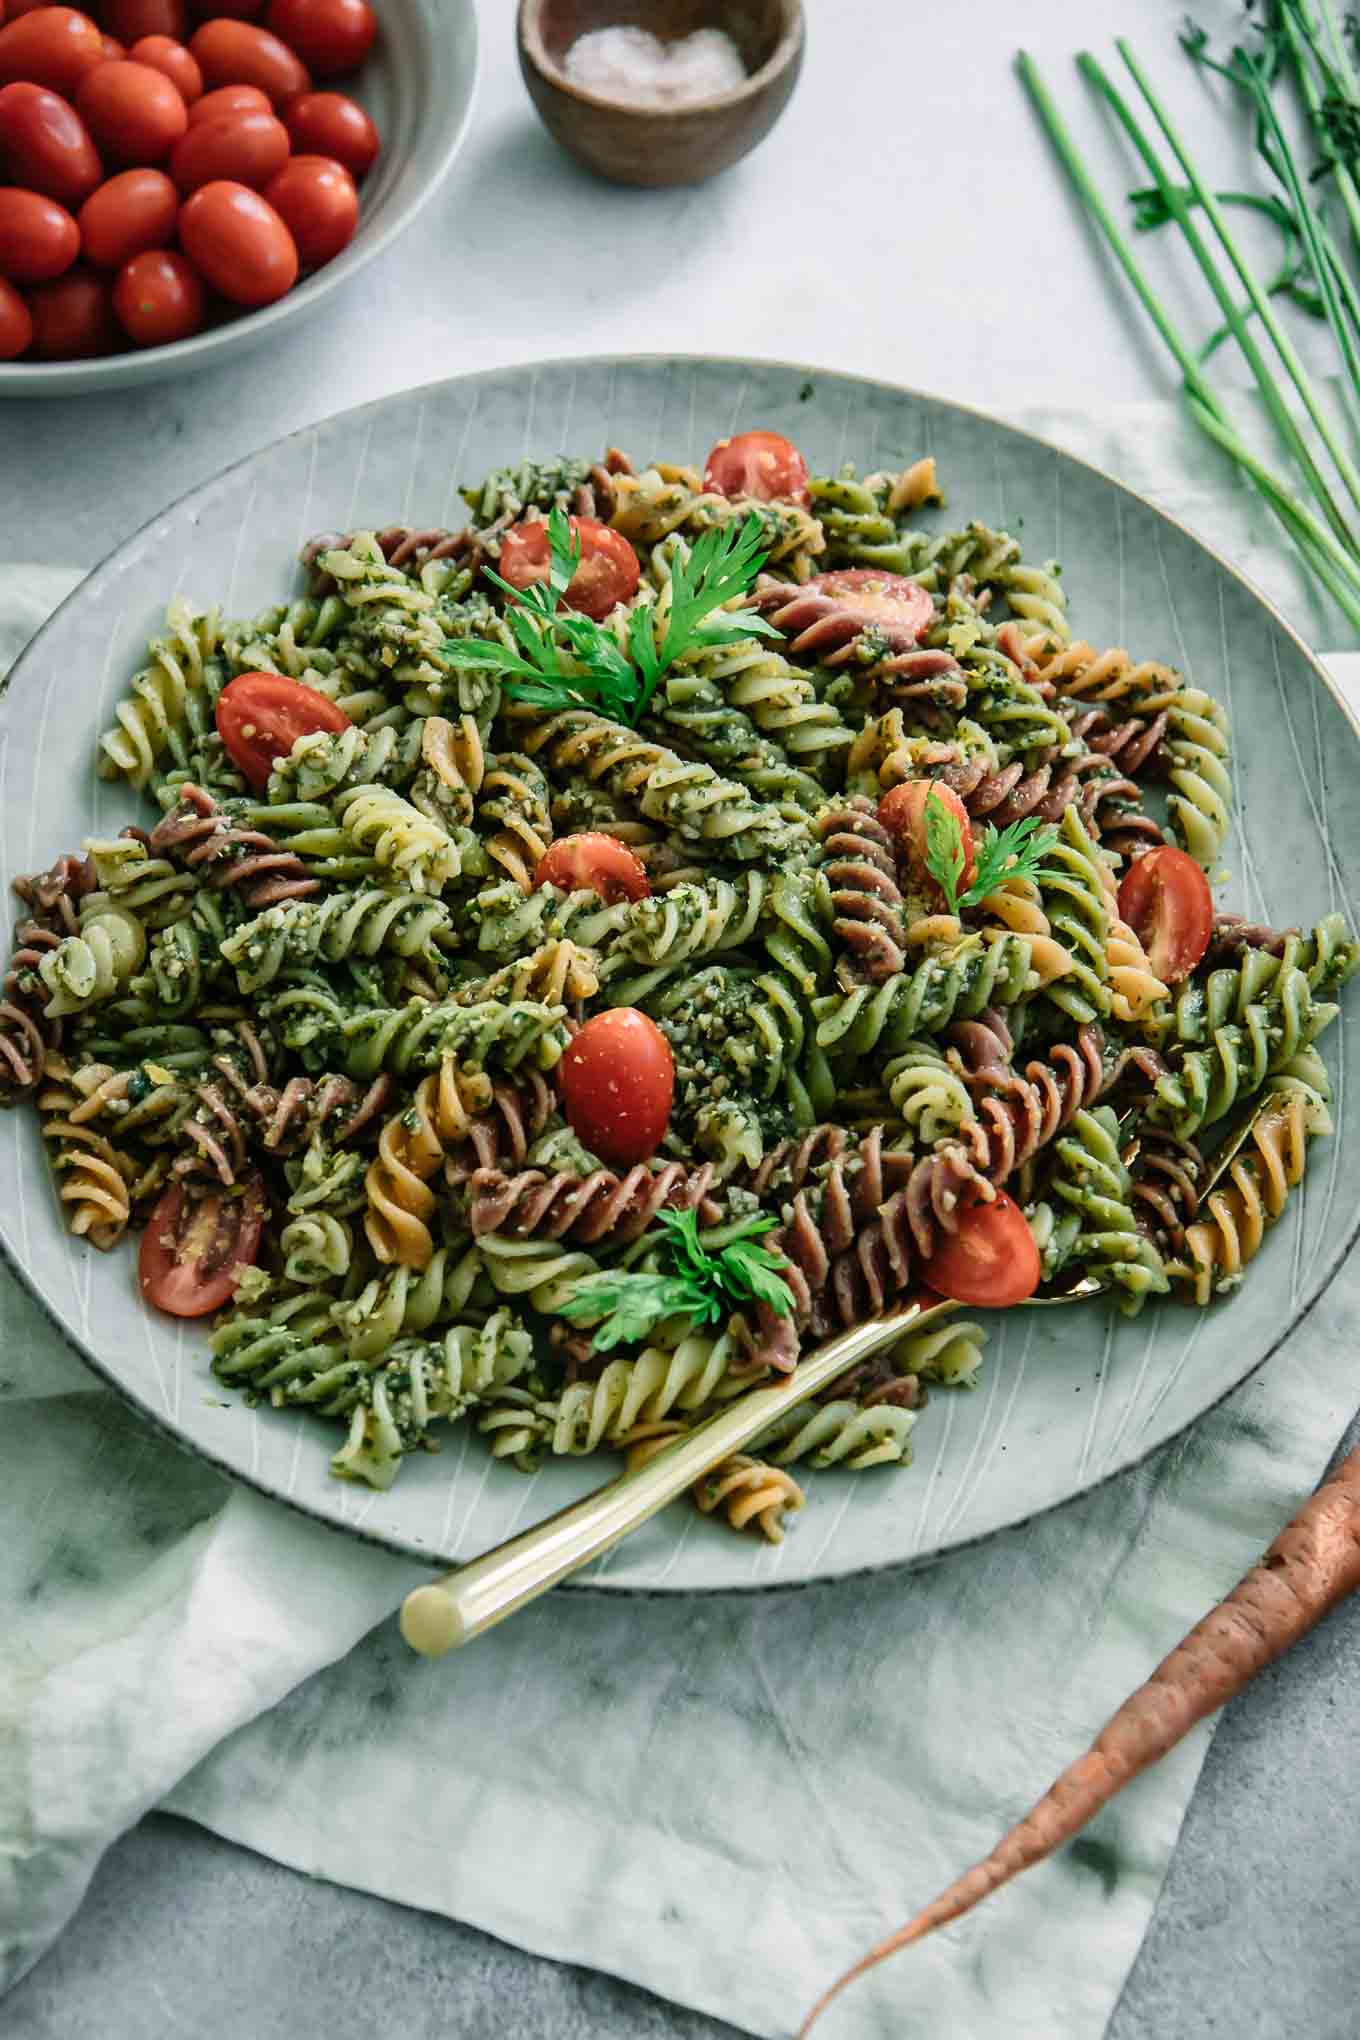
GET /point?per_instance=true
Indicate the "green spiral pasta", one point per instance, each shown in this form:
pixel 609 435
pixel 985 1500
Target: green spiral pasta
pixel 662 1378
pixel 511 923
pixel 88 967
pixel 691 710
pixel 839 1434
pixel 406 1302
pixel 1074 900
pixel 149 887
pixel 420 1384
pixel 369 922
pixel 981 970
pixel 414 848
pixel 781 699
pixel 1090 1182
pixel 928 1095
pixel 992 559
pixel 418 1035
pixel 171 697
pixel 325 762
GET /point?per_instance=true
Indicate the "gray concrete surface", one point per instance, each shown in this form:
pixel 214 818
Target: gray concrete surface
pixel 1257 1933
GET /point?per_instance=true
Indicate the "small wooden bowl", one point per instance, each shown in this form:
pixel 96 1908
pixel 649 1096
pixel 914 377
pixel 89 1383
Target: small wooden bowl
pixel 662 145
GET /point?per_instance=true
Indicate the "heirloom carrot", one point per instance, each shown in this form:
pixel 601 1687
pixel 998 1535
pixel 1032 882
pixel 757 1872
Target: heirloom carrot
pixel 1311 1567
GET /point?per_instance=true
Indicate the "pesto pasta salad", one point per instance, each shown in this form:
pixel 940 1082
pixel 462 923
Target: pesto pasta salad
pixel 568 966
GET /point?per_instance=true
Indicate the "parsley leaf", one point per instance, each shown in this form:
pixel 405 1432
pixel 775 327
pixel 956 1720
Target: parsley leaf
pixel 705 1285
pixel 565 660
pixel 1013 852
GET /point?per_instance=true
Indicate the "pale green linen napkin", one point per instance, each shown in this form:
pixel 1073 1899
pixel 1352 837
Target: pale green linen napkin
pixel 723 1800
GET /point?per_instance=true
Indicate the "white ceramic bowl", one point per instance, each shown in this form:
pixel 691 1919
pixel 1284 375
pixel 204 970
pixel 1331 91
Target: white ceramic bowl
pixel 419 86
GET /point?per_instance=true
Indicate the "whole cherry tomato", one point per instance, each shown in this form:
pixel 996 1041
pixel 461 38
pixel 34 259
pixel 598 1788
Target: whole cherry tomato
pixel 990 1260
pixel 760 464
pixel 235 53
pixel 73 317
pixel 237 243
pixel 260 717
pixel 331 36
pixel 134 211
pixel 248 147
pixel 54 46
pixel 133 20
pixel 902 811
pixel 318 203
pixel 172 59
pixel 16 323
pixel 617 1080
pixel 608 572
pixel 158 298
pixel 228 99
pixel 1165 898
pixel 196 1244
pixel 134 113
pixel 329 124
pixel 594 862
pixel 45 146
pixel 114 51
pixel 38 237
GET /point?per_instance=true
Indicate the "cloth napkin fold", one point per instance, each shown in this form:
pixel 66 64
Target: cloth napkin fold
pixel 724 1800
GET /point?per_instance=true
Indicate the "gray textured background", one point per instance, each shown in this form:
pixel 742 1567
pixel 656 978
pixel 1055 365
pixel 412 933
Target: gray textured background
pixel 852 238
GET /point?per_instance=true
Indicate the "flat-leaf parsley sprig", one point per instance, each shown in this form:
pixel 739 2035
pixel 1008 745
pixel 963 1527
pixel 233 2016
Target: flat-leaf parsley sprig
pixel 568 661
pixel 704 1286
pixel 1014 852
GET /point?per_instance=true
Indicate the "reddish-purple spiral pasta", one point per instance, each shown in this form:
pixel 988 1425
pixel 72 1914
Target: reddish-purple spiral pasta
pixel 500 1137
pixel 923 678
pixel 1166 1178
pixel 870 917
pixel 27 1036
pixel 1233 935
pixel 1017 1115
pixel 534 1204
pixel 240 1104
pixel 828 626
pixel 54 895
pixel 197 835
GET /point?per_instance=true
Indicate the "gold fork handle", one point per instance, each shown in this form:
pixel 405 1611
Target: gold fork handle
pixel 454 1609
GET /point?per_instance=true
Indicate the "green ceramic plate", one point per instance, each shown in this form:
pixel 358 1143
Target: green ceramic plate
pixel 1067 1397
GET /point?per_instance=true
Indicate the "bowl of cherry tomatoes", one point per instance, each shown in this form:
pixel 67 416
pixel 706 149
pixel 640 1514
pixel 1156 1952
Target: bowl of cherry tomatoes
pixel 177 177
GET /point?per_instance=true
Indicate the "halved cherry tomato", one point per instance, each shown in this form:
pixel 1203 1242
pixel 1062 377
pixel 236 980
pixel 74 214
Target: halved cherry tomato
pixel 158 298
pixel 54 46
pixel 238 243
pixel 73 317
pixel 16 323
pixel 249 147
pixel 44 144
pixel 991 1260
pixel 132 212
pixel 760 464
pixel 330 36
pixel 617 1082
pixel 1165 898
pixel 194 1246
pixel 318 202
pixel 329 124
pixel 134 113
pixel 132 20
pixel 594 862
pixel 163 53
pixel 260 717
pixel 235 53
pixel 38 237
pixel 902 811
pixel 229 99
pixel 608 572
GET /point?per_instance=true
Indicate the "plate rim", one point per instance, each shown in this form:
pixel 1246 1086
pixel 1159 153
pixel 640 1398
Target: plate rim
pixel 424 1555
pixel 46 380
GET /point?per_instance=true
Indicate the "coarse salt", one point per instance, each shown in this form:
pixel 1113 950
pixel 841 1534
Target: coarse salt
pixel 635 67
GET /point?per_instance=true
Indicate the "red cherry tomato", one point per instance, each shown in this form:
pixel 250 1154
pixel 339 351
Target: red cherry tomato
pixel 617 1081
pixel 760 464
pixel 73 317
pixel 608 571
pixel 132 212
pixel 44 144
pixel 902 811
pixel 991 1260
pixel 16 323
pixel 329 124
pixel 54 46
pixel 162 53
pixel 195 1245
pixel 158 298
pixel 238 243
pixel 594 862
pixel 235 53
pixel 248 147
pixel 318 202
pixel 134 20
pixel 1165 898
pixel 260 717
pixel 114 51
pixel 228 99
pixel 38 237
pixel 331 36
pixel 134 113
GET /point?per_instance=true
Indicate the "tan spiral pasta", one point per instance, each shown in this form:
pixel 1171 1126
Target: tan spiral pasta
pixel 92 1178
pixel 410 1148
pixel 1233 1220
